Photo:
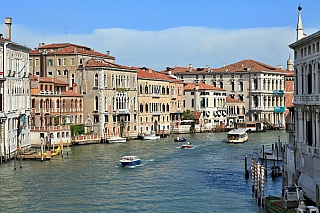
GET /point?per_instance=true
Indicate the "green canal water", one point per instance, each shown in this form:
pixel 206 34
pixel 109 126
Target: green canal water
pixel 208 178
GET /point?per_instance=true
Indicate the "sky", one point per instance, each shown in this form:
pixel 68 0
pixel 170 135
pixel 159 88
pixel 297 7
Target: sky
pixel 167 33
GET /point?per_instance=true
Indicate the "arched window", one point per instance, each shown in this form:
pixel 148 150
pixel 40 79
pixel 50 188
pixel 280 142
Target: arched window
pixel 96 80
pixel 168 107
pixel 147 108
pixel 141 89
pixel 163 108
pixel 146 89
pixel 33 104
pixel 141 107
pixel 96 105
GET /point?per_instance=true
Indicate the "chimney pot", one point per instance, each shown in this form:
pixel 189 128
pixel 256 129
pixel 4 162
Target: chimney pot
pixel 8 22
pixel 190 67
pixel 108 52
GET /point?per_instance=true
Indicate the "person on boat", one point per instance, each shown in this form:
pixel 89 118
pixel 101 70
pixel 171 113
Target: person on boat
pixel 178 139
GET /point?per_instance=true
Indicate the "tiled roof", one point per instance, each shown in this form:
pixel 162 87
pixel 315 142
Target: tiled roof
pixel 47 80
pixel 241 66
pixel 232 100
pixel 94 63
pixel 67 48
pixel 202 86
pixel 145 73
pixel 290 74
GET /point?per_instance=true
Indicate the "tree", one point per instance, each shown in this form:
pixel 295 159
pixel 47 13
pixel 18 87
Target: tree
pixel 76 130
pixel 187 115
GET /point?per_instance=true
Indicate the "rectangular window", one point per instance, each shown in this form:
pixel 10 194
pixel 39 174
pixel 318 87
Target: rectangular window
pixel 30 62
pixel 72 61
pixel 59 62
pixel 36 63
pixel 64 62
pixel 50 62
pixel 106 118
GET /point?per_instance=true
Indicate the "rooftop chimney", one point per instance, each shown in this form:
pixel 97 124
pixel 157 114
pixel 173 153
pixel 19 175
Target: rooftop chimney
pixel 8 22
pixel 150 70
pixel 190 67
pixel 108 53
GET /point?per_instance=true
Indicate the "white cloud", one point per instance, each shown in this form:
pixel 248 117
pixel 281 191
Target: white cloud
pixel 180 46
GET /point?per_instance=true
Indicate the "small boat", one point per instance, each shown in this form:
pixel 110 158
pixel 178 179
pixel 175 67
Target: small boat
pixel 53 153
pixel 116 140
pixel 130 161
pixel 237 136
pixel 152 136
pixel 275 171
pixel 187 145
pixel 178 139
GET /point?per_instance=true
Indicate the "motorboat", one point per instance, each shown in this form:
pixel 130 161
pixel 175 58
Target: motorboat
pixel 187 145
pixel 178 139
pixel 237 136
pixel 269 154
pixel 116 140
pixel 130 160
pixel 152 136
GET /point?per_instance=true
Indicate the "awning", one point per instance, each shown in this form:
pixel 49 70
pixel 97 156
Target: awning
pixel 219 113
pixel 208 113
pixel 215 114
pixel 224 113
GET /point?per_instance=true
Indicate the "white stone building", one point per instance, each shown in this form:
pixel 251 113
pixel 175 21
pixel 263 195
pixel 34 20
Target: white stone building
pixel 303 153
pixel 210 101
pixel 14 95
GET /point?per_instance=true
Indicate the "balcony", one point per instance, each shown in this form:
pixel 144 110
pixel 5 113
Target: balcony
pixel 122 111
pixel 174 96
pixel 156 113
pixel 155 95
pixel 310 99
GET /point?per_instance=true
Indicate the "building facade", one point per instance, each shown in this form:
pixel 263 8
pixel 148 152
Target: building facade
pixel 260 86
pixel 14 95
pixel 303 149
pixel 53 109
pixel 110 99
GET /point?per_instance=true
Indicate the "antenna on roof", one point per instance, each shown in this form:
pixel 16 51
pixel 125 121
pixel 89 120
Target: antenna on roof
pixel 66 34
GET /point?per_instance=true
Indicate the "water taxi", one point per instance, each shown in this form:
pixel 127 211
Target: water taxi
pixel 178 139
pixel 116 140
pixel 130 160
pixel 237 136
pixel 152 136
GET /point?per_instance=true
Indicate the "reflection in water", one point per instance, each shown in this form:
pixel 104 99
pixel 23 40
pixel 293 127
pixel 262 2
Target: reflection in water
pixel 208 178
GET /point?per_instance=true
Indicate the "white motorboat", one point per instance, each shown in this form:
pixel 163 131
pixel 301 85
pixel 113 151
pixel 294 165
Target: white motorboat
pixel 130 160
pixel 237 136
pixel 152 136
pixel 116 140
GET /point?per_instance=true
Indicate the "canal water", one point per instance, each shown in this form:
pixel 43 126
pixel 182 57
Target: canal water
pixel 208 178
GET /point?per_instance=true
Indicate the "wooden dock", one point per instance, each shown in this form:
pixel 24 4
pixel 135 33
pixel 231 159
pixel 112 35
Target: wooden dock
pixel 34 156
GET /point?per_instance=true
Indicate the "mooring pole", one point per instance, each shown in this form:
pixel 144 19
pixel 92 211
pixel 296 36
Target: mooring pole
pixel 246 168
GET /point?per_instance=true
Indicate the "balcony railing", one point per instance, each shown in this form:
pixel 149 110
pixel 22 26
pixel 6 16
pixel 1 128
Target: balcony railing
pixel 155 95
pixel 174 96
pixel 156 113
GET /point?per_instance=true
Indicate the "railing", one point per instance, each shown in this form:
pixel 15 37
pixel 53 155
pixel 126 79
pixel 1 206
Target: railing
pixel 86 137
pixel 155 95
pixel 310 150
pixel 156 113
pixel 44 92
pixel 173 96
pixel 307 99
pixel 49 128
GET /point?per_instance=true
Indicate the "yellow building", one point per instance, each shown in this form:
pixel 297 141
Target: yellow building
pixel 160 100
pixel 110 94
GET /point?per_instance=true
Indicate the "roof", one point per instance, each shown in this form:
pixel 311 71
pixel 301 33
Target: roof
pixel 247 65
pixel 67 48
pixel 145 73
pixel 232 100
pixel 47 80
pixel 99 64
pixel 201 86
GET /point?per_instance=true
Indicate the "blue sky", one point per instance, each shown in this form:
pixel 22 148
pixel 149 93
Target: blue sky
pixel 157 34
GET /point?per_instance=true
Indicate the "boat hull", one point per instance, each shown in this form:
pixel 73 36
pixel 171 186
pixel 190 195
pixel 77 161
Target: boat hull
pixel 151 137
pixel 180 140
pixel 186 146
pixel 116 140
pixel 130 163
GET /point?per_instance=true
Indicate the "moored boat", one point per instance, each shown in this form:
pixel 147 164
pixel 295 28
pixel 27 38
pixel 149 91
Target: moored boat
pixel 152 136
pixel 270 154
pixel 237 136
pixel 116 140
pixel 130 160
